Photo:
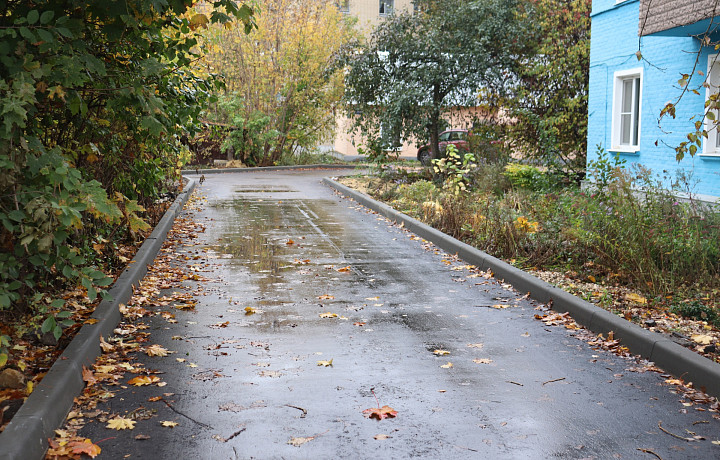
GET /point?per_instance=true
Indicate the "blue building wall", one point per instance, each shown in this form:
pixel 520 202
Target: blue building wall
pixel 614 43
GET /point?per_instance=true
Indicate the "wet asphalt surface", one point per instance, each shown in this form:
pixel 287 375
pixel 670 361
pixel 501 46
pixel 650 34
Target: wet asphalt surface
pixel 533 392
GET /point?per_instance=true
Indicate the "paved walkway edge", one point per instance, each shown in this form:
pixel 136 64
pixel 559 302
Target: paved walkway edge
pixel 271 168
pixel 26 436
pixel 674 358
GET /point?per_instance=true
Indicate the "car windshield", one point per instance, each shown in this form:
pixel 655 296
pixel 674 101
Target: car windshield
pixel 444 137
pixel 458 136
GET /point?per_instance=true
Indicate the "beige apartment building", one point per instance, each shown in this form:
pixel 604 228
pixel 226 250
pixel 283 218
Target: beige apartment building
pixel 371 12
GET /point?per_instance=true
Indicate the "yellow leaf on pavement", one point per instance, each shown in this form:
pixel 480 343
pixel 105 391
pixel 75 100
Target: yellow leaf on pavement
pixel 141 380
pixel 325 363
pixel 447 366
pixel 169 424
pixel 121 423
pixel 327 314
pixel 441 352
pixel 156 350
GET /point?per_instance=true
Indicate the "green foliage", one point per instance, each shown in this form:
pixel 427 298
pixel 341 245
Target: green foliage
pixel 453 169
pixel 698 311
pixel 254 135
pixel 602 170
pixel 4 354
pixel 418 67
pixel 549 101
pixel 635 231
pixel 524 176
pixel 94 98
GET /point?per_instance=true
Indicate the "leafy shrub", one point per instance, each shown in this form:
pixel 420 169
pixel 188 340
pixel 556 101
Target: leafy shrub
pixel 95 99
pixel 452 170
pixel 698 311
pixel 524 176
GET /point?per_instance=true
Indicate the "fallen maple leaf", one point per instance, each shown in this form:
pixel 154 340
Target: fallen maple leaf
pixel 358 323
pixel 380 437
pixel 636 298
pixel 380 413
pixel 325 363
pixel 156 350
pixel 121 423
pixel 141 380
pixel 327 314
pixel 344 269
pixel 85 446
pixel 169 424
pixel 88 376
pixel 482 361
pixel 500 306
pixel 441 352
pixel 290 242
pixel 447 366
pixel 250 311
pixel 326 297
pixel 702 339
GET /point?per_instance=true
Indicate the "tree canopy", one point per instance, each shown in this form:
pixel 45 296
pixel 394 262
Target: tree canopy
pixel 281 90
pixel 548 102
pixel 417 67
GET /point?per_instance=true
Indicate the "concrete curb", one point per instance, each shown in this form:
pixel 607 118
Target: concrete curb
pixel 674 358
pixel 271 168
pixel 26 435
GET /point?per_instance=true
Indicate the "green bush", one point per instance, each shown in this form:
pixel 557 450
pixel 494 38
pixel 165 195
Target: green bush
pixel 698 311
pixel 524 176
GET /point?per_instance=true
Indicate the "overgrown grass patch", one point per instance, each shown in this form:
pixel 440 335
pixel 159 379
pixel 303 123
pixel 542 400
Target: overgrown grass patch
pixel 628 232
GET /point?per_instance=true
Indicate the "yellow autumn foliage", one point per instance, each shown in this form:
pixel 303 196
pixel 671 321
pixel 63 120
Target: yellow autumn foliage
pixel 284 68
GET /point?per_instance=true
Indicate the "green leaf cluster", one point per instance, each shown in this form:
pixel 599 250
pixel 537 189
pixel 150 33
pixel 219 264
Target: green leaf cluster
pixel 548 101
pixel 95 99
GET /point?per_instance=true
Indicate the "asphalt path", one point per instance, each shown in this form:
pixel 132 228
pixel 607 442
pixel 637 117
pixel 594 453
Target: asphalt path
pixel 296 253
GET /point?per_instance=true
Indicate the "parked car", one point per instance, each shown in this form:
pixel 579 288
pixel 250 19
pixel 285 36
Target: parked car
pixel 456 137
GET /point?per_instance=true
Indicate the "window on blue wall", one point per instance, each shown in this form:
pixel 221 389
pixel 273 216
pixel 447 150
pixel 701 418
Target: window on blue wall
pixel 712 145
pixel 626 110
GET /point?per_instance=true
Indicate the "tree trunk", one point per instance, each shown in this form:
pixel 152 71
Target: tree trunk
pixel 434 134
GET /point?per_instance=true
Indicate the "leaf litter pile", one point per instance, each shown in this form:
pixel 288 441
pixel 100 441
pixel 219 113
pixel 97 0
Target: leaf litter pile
pixel 33 353
pixel 117 368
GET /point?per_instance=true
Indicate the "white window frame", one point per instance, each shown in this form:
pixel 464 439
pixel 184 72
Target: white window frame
pixel 711 145
pixel 636 118
pixel 386 7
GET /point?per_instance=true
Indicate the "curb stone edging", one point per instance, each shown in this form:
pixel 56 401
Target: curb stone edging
pixel 25 437
pixel 270 168
pixel 670 356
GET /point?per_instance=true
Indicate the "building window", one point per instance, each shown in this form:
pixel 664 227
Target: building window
pixel 386 7
pixel 711 146
pixel 626 111
pixel 344 6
